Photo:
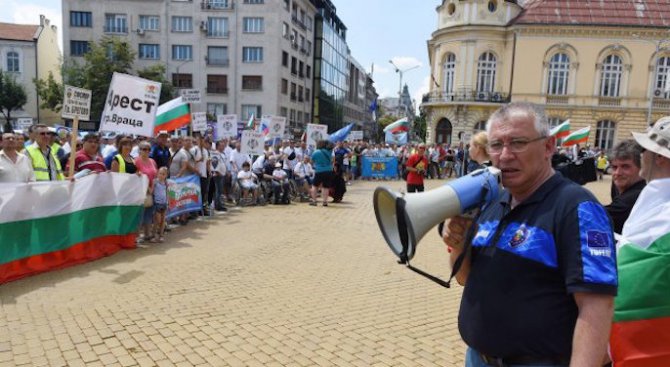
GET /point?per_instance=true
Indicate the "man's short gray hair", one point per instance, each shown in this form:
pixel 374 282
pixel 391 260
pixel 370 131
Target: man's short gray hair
pixel 628 149
pixel 521 108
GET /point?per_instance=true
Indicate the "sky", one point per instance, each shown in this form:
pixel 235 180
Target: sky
pixel 378 31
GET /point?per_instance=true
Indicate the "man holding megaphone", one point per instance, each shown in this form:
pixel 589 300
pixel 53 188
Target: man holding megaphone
pixel 540 270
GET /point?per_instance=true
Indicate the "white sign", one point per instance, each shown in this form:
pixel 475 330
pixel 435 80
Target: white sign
pixel 466 137
pixel 131 104
pixel 252 143
pixel 76 103
pixel 24 123
pixel 191 95
pixel 315 133
pixel 277 126
pixel 355 135
pixel 226 127
pixel 199 121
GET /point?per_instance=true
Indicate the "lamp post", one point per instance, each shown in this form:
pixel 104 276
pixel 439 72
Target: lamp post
pixel 401 72
pixel 659 45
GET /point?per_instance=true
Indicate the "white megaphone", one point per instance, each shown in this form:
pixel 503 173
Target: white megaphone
pixel 405 218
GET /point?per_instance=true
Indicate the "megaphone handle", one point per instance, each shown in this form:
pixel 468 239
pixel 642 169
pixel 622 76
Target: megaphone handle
pixel 466 248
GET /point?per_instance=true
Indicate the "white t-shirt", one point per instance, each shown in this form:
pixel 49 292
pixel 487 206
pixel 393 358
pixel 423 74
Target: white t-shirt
pixel 280 175
pixel 246 177
pixel 107 150
pixel 239 158
pixel 258 164
pixel 289 164
pixel 135 152
pixel 201 156
pixel 21 171
pixel 303 170
pixel 219 162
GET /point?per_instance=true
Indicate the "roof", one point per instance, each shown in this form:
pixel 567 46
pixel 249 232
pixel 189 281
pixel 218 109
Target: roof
pixel 642 13
pixel 18 32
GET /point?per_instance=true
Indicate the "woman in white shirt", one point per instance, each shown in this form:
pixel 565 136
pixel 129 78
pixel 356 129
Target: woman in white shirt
pixel 304 175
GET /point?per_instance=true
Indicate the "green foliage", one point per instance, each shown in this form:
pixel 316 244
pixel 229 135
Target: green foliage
pixel 420 126
pixel 12 97
pixel 157 73
pixel 50 92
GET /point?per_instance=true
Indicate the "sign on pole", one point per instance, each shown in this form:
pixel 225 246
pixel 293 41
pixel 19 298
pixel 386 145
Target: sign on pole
pixel 355 135
pixel 226 127
pixel 199 121
pixel 24 123
pixel 277 126
pixel 131 105
pixel 191 95
pixel 316 132
pixel 252 143
pixel 76 103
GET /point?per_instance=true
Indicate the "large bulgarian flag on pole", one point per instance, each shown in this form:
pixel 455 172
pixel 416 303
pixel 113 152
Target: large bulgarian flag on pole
pixel 51 225
pixel 172 115
pixel 578 137
pixel 641 331
pixel 561 131
pixel 399 126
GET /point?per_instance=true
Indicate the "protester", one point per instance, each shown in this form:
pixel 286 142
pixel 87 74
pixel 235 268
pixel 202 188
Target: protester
pixel 304 176
pixel 160 204
pixel 416 169
pixel 123 162
pixel 148 167
pixel 626 180
pixel 160 152
pixel 44 160
pixel 219 170
pixel 479 156
pixel 247 181
pixel 14 166
pixel 338 187
pixel 601 164
pixel 323 168
pixel 280 185
pixel 88 158
pixel 200 152
pixel 640 333
pixel 539 274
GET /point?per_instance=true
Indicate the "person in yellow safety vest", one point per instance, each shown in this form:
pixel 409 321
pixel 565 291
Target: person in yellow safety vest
pixel 123 162
pixel 45 164
pixel 601 165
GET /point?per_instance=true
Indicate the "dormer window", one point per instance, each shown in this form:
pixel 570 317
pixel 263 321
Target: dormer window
pixel 451 9
pixel 493 5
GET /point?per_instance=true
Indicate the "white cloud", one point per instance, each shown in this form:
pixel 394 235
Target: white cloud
pixel 30 14
pixel 406 62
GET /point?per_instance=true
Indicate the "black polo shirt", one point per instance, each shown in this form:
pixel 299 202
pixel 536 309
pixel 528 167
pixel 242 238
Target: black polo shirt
pixel 527 262
pixel 161 155
pixel 623 203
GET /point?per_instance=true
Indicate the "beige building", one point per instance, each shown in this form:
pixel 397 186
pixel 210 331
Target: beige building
pixel 602 64
pixel 28 52
pixel 245 56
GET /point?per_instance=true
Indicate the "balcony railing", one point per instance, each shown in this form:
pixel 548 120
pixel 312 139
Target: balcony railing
pixel 609 101
pixel 217 5
pixel 466 95
pixel 293 97
pixel 218 34
pixel 661 103
pixel 217 62
pixel 115 29
pixel 558 99
pixel 217 90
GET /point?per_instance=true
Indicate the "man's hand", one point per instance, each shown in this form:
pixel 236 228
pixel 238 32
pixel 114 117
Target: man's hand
pixel 454 232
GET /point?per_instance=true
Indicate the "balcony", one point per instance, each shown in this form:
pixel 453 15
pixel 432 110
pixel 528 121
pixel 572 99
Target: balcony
pixel 467 95
pixel 115 29
pixel 303 50
pixel 661 103
pixel 217 5
pixel 218 34
pixel 293 97
pixel 217 62
pixel 294 45
pixel 217 90
pixel 553 99
pixel 609 101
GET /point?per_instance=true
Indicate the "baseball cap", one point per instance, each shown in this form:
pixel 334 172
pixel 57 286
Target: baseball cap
pixel 163 132
pixel 657 137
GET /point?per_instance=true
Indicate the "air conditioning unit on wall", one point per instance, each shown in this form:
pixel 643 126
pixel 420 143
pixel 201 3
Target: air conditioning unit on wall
pixel 140 31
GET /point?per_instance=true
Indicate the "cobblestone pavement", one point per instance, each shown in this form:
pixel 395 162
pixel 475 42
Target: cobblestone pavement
pixel 268 286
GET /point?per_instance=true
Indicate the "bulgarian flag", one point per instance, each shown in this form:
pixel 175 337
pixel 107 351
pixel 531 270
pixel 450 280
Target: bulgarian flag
pixel 51 225
pixel 172 115
pixel 641 331
pixel 578 137
pixel 401 125
pixel 252 122
pixel 561 131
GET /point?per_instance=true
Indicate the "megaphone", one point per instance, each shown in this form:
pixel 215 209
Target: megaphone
pixel 405 218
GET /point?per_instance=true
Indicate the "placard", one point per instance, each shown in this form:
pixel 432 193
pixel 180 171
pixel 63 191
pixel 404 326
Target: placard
pixel 131 104
pixel 316 132
pixel 252 143
pixel 76 103
pixel 355 135
pixel 277 127
pixel 226 127
pixel 191 95
pixel 23 123
pixel 199 121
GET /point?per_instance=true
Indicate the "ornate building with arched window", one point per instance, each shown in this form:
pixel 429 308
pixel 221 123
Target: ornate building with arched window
pixel 604 64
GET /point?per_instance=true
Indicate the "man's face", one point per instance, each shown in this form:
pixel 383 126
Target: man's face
pixel 625 173
pixel 8 141
pixel 520 170
pixel 43 136
pixel 188 143
pixel 162 140
pixel 91 146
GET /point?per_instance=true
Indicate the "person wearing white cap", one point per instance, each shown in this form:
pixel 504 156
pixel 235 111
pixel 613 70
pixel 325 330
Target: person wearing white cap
pixel 641 311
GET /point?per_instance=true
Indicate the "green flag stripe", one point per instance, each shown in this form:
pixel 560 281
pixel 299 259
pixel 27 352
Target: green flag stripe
pixel 172 114
pixel 39 236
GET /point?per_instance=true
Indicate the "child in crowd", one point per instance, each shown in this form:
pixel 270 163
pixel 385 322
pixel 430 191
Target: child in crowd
pixel 160 203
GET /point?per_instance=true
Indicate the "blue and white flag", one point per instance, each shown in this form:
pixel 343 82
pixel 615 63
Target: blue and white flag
pixel 373 109
pixel 341 134
pixel 397 138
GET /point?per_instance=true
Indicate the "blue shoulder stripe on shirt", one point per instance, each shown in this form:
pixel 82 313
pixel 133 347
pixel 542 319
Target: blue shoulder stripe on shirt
pixel 597 244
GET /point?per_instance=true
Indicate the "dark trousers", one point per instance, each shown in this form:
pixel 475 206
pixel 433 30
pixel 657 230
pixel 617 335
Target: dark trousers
pixel 277 189
pixel 218 192
pixel 204 191
pixel 414 188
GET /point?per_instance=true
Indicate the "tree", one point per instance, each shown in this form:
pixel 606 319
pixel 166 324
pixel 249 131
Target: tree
pixel 420 125
pixel 50 92
pixel 12 97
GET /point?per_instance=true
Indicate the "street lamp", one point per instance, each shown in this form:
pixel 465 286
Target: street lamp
pixel 401 72
pixel 659 45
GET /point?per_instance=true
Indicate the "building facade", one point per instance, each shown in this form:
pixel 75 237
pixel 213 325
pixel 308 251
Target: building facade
pixel 28 52
pixel 356 106
pixel 600 64
pixel 245 56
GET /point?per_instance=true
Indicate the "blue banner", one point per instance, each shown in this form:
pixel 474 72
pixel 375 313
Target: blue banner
pixel 382 167
pixel 184 195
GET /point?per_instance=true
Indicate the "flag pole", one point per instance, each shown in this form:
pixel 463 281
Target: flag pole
pixel 73 146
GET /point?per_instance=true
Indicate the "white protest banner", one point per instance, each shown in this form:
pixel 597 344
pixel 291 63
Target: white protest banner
pixel 199 121
pixel 226 127
pixel 277 127
pixel 23 123
pixel 316 132
pixel 76 103
pixel 131 105
pixel 252 143
pixel 191 95
pixel 355 135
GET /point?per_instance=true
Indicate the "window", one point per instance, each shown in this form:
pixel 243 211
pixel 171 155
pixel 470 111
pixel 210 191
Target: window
pixel 216 4
pixel 250 109
pixel 449 73
pixel 13 62
pixel 182 52
pixel 308 71
pixel 307 120
pixel 291 119
pixel 217 55
pixel 79 48
pixel 559 71
pixel 217 27
pixel 284 58
pixel 150 22
pixel 182 80
pixel 293 90
pixel 486 73
pixel 294 66
pixel 253 25
pixel 182 24
pixel 116 23
pixel 480 126
pixel 610 76
pixel 252 82
pixel 283 111
pixel 252 54
pixel 554 121
pixel 307 94
pixel 301 67
pixel 254 1
pixel 287 4
pixel 308 47
pixel 300 90
pixel 149 52
pixel 662 73
pixel 605 134
pixel 216 109
pixel 284 86
pixel 81 19
pixel 285 30
pixel 308 23
pixel 217 84
pixel 299 117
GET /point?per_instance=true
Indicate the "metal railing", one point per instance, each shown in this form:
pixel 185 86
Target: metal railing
pixel 609 101
pixel 217 5
pixel 217 90
pixel 467 95
pixel 553 99
pixel 217 62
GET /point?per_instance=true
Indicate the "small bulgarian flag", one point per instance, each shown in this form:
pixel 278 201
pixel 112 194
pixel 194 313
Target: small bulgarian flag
pixel 172 115
pixel 640 334
pixel 561 131
pixel 401 125
pixel 578 137
pixel 252 122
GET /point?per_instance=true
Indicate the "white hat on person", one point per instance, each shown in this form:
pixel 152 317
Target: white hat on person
pixel 657 137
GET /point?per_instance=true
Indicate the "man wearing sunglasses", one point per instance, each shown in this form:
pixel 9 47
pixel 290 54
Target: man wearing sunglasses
pixel 540 272
pixel 44 159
